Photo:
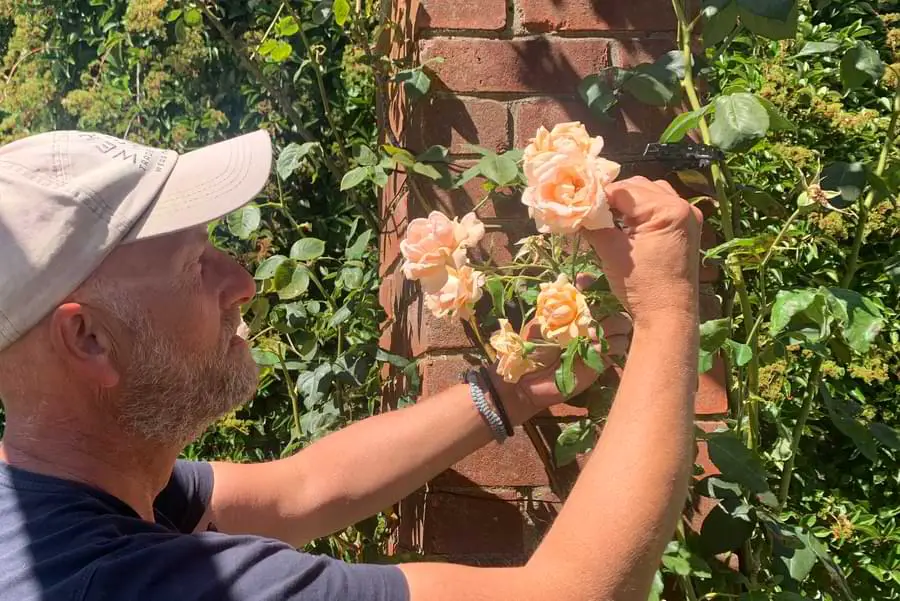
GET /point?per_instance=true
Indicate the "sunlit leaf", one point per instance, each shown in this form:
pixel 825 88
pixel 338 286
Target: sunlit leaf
pixel 574 439
pixel 307 249
pixel 740 119
pixel 267 268
pixel 244 221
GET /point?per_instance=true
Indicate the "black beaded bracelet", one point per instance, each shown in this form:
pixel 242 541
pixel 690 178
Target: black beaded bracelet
pixel 498 403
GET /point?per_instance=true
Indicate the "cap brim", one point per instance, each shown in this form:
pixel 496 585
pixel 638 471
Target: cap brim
pixel 207 184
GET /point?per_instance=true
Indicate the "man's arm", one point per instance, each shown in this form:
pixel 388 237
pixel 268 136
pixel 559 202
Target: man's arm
pixel 350 474
pixel 607 541
pixel 366 467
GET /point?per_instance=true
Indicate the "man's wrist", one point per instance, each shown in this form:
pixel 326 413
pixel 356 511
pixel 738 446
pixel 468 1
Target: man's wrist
pixel 518 406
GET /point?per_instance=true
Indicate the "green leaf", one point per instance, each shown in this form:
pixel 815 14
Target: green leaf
pixel 651 85
pixel 740 119
pixel 714 333
pixel 351 277
pixel 682 124
pixel 264 358
pixel 565 373
pixel 500 169
pixel 576 438
pixel 843 415
pixel 244 221
pixel 354 177
pixel 597 94
pixel 496 289
pixel 307 249
pixel 280 52
pixel 267 268
pixel 790 303
pixel 764 202
pixel 339 317
pixel 291 157
pixel 314 385
pixel 778 10
pixel 358 249
pixel 814 48
pixel 193 17
pixel 322 12
pixel 592 358
pixel 739 353
pixel 297 285
pixel 657 587
pixel 365 156
pixel 287 26
pixel 415 82
pixel 737 462
pixel 847 178
pixel 426 170
pixel 434 154
pixel 861 65
pixel 173 14
pixel 886 435
pixel 467 176
pixel 341 10
pixel 860 319
pixel 774 29
pixel 721 19
pixel 722 532
pixel 677 564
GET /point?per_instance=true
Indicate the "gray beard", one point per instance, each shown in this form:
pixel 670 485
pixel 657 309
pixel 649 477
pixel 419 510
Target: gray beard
pixel 169 397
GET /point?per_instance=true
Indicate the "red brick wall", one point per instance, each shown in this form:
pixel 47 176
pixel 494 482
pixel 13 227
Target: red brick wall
pixel 509 66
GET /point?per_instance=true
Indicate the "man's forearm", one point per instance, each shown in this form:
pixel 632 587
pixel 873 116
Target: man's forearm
pixel 364 468
pixel 609 537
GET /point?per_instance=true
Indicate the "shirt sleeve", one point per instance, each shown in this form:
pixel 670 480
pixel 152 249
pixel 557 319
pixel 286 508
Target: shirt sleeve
pixel 211 566
pixel 185 498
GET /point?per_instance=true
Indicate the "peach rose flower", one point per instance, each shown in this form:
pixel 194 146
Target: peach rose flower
pixel 569 138
pixel 513 361
pixel 562 311
pixel 435 243
pixel 567 179
pixel 458 295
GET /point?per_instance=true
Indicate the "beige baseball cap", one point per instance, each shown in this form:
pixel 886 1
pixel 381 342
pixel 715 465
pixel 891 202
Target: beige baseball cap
pixel 68 198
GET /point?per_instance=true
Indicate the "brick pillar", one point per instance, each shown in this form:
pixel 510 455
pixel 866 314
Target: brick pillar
pixel 509 67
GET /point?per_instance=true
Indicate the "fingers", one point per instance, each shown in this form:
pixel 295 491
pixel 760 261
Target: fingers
pixel 583 281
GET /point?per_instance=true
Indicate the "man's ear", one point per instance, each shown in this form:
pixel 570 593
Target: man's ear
pixel 83 342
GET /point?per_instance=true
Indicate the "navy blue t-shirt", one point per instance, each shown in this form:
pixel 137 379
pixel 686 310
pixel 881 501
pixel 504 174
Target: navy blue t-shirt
pixel 60 540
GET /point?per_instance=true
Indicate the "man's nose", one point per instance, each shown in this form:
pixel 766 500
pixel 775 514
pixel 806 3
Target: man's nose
pixel 241 286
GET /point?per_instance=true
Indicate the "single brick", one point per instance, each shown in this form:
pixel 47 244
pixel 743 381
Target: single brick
pixel 533 65
pixel 441 373
pixel 454 123
pixel 592 15
pixel 631 127
pixel 712 398
pixel 477 526
pixel 453 14
pixel 514 463
pixel 427 333
pixel 630 53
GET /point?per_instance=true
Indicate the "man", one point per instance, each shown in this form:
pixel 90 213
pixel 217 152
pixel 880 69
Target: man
pixel 118 344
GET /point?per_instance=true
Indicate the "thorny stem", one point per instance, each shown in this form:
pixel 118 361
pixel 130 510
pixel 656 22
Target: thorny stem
pixel 727 220
pixel 812 390
pixel 320 83
pixel 295 402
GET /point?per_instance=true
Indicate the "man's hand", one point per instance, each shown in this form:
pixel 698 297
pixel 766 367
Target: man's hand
pixel 651 264
pixel 537 391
